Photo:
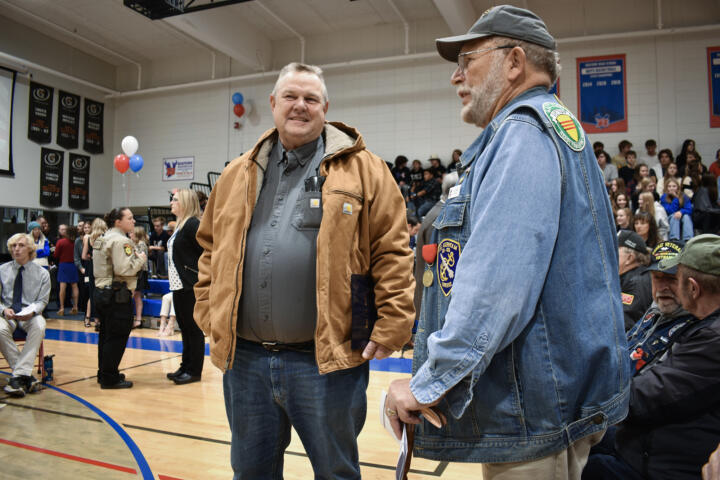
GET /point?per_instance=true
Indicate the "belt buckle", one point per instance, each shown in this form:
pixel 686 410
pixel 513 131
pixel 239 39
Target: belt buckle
pixel 270 346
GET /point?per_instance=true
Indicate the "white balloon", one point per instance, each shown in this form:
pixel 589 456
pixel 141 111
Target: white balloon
pixel 129 145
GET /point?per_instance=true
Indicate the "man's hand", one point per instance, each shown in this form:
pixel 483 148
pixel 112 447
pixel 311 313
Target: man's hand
pixel 402 406
pixel 9 314
pixel 376 351
pixel 711 470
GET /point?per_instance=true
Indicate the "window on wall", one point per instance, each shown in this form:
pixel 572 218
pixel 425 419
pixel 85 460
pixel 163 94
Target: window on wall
pixel 7 87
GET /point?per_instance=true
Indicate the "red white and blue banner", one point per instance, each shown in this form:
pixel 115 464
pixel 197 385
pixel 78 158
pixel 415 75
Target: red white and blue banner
pixel 602 93
pixel 713 55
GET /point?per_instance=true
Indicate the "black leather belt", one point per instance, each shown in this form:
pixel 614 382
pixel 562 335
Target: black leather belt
pixel 304 347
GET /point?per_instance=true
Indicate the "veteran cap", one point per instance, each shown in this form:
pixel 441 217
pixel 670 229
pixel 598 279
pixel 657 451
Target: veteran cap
pixel 505 21
pixel 663 251
pixel 701 253
pixel 630 239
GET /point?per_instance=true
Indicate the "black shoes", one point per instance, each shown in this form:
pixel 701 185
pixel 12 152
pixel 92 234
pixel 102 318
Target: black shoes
pixel 185 377
pixel 15 387
pixel 175 374
pixel 118 385
pixel 32 384
pixel 99 379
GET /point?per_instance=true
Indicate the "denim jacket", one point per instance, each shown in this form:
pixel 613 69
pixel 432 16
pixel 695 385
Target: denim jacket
pixel 521 331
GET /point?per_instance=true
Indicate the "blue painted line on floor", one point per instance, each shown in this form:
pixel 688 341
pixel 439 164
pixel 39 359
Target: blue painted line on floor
pixel 398 365
pixel 132 446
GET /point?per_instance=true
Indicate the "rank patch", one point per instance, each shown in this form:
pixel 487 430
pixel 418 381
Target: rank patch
pixel 448 256
pixel 565 125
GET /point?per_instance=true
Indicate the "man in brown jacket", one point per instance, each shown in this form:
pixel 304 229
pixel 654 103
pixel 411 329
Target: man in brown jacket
pixel 306 275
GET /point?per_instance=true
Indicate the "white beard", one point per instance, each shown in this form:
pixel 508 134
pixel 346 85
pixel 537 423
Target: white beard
pixel 484 96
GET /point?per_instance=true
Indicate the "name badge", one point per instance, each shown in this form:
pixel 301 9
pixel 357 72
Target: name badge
pixel 454 191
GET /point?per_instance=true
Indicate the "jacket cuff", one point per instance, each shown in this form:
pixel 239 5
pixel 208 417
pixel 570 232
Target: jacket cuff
pixel 425 387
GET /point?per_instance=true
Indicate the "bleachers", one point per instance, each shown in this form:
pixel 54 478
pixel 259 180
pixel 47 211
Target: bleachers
pixel 153 296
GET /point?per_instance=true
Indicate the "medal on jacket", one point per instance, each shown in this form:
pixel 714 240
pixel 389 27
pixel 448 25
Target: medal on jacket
pixel 428 277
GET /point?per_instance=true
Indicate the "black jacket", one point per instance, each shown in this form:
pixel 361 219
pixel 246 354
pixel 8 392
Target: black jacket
pixel 186 252
pixel 674 420
pixel 636 288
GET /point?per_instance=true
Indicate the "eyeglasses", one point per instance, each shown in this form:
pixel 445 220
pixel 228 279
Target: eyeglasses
pixel 463 62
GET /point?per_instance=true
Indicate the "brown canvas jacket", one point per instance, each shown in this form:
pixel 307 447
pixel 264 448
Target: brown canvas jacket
pixel 363 231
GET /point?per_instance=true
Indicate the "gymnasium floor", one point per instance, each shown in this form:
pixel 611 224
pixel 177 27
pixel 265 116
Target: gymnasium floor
pixel 74 430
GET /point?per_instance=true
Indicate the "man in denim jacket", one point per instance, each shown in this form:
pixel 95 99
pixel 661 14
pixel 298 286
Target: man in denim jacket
pixel 521 341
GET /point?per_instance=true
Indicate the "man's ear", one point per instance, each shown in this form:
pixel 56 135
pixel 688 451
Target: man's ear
pixel 694 288
pixel 272 102
pixel 516 63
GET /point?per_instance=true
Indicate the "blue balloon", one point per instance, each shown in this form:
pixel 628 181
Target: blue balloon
pixel 136 163
pixel 237 98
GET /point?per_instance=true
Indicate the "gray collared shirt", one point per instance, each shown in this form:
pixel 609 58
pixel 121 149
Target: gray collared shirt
pixel 35 281
pixel 278 301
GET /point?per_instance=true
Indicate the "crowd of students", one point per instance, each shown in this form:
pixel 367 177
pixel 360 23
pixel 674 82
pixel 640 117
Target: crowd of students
pixel 661 196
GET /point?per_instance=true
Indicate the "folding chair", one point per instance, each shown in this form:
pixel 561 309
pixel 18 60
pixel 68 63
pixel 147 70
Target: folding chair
pixel 20 335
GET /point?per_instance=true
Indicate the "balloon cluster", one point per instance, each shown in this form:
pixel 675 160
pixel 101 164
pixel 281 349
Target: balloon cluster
pixel 129 159
pixel 238 107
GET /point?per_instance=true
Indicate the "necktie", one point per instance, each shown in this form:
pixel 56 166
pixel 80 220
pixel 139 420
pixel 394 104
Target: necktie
pixel 17 291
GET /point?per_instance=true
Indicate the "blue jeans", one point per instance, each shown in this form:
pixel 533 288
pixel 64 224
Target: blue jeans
pixel 268 392
pixel 685 223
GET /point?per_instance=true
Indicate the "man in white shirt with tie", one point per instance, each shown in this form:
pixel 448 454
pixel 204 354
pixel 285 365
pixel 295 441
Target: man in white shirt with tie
pixel 24 293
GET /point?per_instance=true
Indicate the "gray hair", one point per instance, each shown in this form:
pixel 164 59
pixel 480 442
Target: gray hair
pixel 540 57
pixel 449 181
pixel 296 67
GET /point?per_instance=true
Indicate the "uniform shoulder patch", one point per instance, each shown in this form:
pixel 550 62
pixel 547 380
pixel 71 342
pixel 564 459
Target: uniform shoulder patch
pixel 565 125
pixel 627 299
pixel 128 249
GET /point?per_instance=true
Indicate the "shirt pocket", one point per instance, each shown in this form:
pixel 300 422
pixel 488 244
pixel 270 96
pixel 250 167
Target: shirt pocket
pixel 453 213
pixel 307 213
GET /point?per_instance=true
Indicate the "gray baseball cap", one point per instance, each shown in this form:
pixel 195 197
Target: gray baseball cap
pixel 503 20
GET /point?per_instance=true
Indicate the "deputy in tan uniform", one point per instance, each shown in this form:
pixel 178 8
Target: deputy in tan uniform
pixel 116 264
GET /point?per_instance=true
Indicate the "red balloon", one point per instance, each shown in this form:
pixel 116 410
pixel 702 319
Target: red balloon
pixel 122 163
pixel 239 110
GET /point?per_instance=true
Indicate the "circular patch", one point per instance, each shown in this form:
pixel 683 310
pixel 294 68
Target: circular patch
pixel 565 125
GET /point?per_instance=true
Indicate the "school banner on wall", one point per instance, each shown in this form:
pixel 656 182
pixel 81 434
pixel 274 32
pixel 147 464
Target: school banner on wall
pixel 602 93
pixel 68 120
pixel 51 177
pixel 79 188
pixel 93 138
pixel 713 54
pixel 40 108
pixel 178 168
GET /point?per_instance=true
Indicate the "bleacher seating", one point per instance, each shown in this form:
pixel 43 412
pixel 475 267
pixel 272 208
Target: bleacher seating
pixel 212 179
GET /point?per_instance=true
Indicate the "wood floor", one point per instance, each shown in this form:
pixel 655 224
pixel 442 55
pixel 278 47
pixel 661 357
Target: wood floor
pixel 75 430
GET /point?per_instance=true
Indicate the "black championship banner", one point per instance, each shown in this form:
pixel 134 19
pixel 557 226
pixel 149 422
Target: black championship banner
pixel 93 142
pixel 51 177
pixel 40 113
pixel 79 191
pixel 68 120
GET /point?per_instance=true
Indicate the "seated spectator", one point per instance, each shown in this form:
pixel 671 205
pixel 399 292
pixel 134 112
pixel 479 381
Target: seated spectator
pixel 706 210
pixel 437 169
pixel 454 161
pixel 681 160
pixel 413 225
pixel 620 160
pixel 694 171
pixel 617 186
pixel 645 226
pixel 647 203
pixel 416 176
pixel 628 173
pixel 679 210
pixel 634 277
pixel 650 158
pixel 598 147
pixel 646 185
pixel 674 420
pixel 24 293
pixel 715 166
pixel 621 201
pixel 401 173
pixel 609 170
pixel 167 316
pixel 623 219
pixel 157 247
pixel 41 244
pixel 428 195
pixel 670 173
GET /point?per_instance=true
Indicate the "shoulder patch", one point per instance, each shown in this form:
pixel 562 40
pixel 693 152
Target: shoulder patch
pixel 128 249
pixel 565 125
pixel 627 299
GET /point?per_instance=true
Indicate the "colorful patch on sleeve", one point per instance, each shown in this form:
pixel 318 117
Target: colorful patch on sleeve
pixel 448 256
pixel 627 299
pixel 565 125
pixel 128 249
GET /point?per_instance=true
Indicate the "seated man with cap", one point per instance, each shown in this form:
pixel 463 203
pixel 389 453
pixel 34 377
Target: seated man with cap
pixel 674 420
pixel 634 276
pixel 24 293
